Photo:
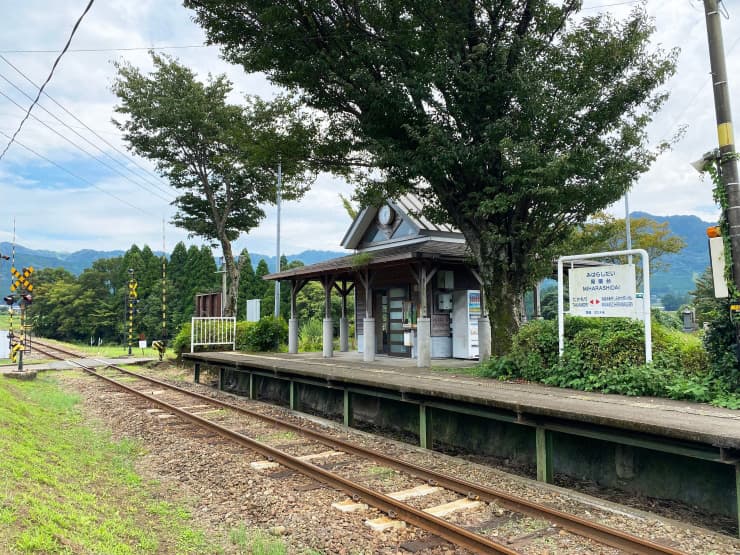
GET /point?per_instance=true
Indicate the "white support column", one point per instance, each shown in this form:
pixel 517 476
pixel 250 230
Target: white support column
pixel 484 338
pixel 293 336
pixel 424 342
pixel 328 339
pixel 368 353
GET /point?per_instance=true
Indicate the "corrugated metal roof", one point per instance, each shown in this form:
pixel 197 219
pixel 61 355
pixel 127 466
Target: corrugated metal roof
pixel 412 205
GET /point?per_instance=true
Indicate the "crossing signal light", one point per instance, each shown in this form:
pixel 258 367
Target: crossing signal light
pixel 28 298
pixel 9 299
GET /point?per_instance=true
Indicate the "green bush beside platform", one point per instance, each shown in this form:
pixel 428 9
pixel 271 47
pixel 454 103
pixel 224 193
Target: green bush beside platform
pixel 608 355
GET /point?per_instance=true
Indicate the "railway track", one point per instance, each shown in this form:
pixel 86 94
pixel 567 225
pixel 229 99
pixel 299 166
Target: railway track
pixel 305 452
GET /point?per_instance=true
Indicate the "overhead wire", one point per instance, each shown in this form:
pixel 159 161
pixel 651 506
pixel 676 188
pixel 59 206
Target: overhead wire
pixel 78 147
pixel 96 134
pixel 51 73
pixel 123 49
pixel 79 177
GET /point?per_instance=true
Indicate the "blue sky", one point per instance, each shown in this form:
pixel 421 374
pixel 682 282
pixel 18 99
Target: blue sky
pixel 104 211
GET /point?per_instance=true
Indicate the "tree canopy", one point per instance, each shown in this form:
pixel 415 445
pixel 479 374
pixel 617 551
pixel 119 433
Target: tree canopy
pixel 221 157
pixel 603 232
pixel 514 120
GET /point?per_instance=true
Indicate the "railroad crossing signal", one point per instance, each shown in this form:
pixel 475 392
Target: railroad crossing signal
pixel 22 279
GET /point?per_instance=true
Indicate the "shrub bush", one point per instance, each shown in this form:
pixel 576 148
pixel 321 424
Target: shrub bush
pixel 181 342
pixel 608 355
pixel 311 335
pixel 268 334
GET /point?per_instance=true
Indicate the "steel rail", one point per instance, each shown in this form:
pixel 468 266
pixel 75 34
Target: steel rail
pixel 574 524
pixel 451 532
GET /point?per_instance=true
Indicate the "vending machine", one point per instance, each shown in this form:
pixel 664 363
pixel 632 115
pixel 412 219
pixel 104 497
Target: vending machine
pixel 465 313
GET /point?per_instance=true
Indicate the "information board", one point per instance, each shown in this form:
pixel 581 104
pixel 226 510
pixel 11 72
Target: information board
pixel 603 291
pixel 441 325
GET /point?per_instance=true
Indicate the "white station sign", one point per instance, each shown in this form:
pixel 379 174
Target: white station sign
pixel 603 291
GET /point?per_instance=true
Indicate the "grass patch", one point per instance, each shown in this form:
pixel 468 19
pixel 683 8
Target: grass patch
pixel 382 472
pixel 277 436
pixel 65 488
pixel 256 542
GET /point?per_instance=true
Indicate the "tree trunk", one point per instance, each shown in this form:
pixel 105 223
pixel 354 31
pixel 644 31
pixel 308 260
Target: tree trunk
pixel 504 290
pixel 503 301
pixel 232 281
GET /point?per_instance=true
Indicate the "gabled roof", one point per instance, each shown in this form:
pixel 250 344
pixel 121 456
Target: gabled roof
pixel 412 206
pixel 408 207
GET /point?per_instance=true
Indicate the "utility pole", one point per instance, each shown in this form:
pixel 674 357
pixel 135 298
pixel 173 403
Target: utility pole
pixel 727 161
pixel 279 187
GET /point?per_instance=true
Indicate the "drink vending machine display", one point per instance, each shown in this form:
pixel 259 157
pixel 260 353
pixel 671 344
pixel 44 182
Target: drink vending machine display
pixel 466 310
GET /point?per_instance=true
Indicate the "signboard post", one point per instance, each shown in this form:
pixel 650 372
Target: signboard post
pixel 605 292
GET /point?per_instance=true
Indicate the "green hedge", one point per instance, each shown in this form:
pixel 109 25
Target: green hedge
pixel 608 355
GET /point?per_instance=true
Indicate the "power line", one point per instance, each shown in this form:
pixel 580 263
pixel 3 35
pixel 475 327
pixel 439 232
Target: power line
pixel 41 89
pixel 78 120
pixel 81 149
pixel 53 163
pixel 611 5
pixel 123 49
pixel 143 187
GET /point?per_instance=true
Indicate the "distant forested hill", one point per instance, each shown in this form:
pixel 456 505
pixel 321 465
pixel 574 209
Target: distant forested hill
pixel 76 262
pixel 677 280
pixel 687 264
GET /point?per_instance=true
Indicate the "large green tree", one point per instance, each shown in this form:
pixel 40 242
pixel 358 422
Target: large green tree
pixel 603 233
pixel 515 119
pixel 221 157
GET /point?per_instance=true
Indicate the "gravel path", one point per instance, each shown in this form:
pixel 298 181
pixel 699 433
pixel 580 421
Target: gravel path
pixel 216 480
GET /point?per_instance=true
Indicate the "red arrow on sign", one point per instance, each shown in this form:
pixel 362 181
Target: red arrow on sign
pixel 594 301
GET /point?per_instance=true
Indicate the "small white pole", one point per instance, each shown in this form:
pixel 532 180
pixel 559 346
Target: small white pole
pixel 561 318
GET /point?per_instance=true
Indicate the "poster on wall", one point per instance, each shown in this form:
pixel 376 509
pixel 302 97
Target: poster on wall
pixel 603 291
pixel 440 325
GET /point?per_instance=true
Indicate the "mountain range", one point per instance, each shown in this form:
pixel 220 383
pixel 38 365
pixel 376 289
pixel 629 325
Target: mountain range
pixel 678 279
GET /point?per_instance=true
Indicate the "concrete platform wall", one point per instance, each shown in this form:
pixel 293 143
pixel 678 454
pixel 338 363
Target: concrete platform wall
pixel 664 475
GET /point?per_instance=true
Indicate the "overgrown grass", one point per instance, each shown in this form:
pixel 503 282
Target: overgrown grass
pixel 65 488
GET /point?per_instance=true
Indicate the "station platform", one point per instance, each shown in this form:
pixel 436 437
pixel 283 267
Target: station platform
pixel 695 422
pixel 651 445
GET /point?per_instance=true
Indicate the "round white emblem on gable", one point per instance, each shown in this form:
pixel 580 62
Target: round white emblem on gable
pixel 386 215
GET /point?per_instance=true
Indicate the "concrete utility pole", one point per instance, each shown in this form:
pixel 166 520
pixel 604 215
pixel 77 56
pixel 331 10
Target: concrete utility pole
pixel 277 282
pixel 727 161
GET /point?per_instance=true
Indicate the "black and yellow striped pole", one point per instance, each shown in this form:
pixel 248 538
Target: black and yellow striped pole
pixel 132 296
pixel 11 335
pixel 164 300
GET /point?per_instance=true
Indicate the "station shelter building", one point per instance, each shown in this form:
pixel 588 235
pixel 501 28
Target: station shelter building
pixel 416 289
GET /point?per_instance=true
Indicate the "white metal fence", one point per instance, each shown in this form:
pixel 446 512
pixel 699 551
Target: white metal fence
pixel 213 331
